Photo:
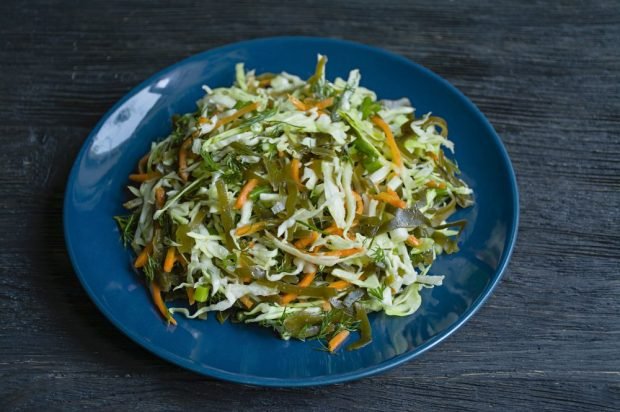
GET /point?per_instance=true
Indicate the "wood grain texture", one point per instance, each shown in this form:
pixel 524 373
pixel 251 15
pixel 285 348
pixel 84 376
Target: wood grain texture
pixel 546 74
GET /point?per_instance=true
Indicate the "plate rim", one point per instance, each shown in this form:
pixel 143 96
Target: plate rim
pixel 306 381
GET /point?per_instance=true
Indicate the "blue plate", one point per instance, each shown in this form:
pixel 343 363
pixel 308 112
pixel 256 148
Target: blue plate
pixel 250 354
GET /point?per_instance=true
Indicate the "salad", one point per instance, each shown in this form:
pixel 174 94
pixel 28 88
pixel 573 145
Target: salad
pixel 298 205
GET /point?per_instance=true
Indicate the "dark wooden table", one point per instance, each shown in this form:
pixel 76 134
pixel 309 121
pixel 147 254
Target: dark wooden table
pixel 546 74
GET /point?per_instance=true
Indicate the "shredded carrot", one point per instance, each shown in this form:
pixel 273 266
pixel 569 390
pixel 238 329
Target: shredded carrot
pixel 304 282
pixel 245 192
pixel 202 120
pixel 160 197
pixel 264 82
pixel 435 185
pixel 182 260
pixel 337 340
pixel 323 104
pixel 190 295
pixel 249 229
pixel 343 252
pixel 156 293
pixel 286 299
pixel 298 103
pixel 316 249
pixel 143 161
pixel 359 202
pixel 333 230
pixel 339 284
pixel 307 279
pixel 143 177
pixel 308 104
pixel 295 165
pixel 432 156
pixel 171 257
pixel 247 302
pixel 396 155
pixel 244 110
pixel 413 241
pixel 183 158
pixel 391 197
pixel 143 256
pixel 307 240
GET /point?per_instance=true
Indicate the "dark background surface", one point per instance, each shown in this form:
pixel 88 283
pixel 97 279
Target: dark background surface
pixel 546 74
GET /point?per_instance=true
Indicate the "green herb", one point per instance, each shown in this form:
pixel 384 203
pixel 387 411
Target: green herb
pixel 378 255
pixel 127 226
pixel 210 164
pixel 369 107
pixel 255 194
pixel 311 226
pixel 151 268
pixel 377 292
pixel 335 321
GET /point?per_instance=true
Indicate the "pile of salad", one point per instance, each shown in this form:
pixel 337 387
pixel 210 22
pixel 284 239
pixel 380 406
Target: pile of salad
pixel 298 205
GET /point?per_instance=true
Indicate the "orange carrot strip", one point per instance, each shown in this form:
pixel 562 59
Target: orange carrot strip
pixel 160 197
pixel 413 241
pixel 343 252
pixel 435 185
pixel 182 260
pixel 306 241
pixel 304 282
pixel 295 165
pixel 333 230
pixel 143 161
pixel 298 103
pixel 432 156
pixel 143 256
pixel 307 279
pixel 183 158
pixel 245 192
pixel 190 295
pixel 202 120
pixel 396 155
pixel 143 177
pixel 244 110
pixel 249 229
pixel 323 104
pixel 286 299
pixel 391 198
pixel 159 302
pixel 339 284
pixel 359 202
pixel 316 248
pixel 171 257
pixel 337 340
pixel 247 302
pixel 264 82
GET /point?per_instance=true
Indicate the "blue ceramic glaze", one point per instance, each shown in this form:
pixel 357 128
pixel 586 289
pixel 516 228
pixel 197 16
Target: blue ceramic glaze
pixel 250 354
